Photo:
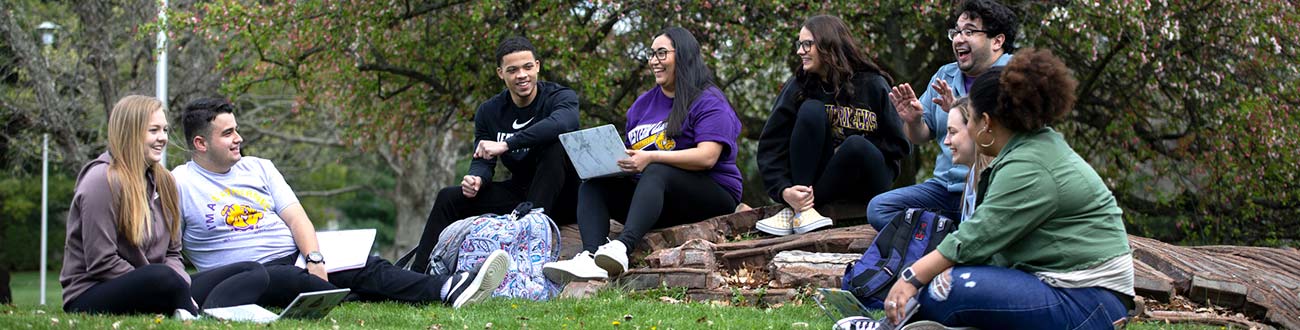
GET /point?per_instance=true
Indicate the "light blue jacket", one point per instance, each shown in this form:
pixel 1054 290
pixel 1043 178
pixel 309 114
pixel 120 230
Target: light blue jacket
pixel 945 172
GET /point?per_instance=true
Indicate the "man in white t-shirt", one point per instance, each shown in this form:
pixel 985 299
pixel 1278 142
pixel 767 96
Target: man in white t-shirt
pixel 241 209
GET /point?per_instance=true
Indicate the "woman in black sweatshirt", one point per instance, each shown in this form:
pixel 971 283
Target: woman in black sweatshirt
pixel 833 134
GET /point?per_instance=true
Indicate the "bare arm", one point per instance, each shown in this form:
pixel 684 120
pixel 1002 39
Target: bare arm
pixel 304 235
pixel 702 157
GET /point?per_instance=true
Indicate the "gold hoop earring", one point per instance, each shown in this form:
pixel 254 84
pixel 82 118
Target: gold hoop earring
pixel 991 141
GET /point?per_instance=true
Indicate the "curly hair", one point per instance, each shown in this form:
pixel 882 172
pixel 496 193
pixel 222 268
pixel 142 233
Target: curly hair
pixel 1034 90
pixel 998 19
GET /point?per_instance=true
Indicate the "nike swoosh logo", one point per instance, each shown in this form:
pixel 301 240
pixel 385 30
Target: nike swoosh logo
pixel 517 125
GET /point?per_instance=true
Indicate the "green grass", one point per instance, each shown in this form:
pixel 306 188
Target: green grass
pixel 606 310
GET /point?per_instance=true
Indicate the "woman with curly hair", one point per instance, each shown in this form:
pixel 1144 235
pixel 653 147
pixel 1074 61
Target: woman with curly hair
pixel 1045 247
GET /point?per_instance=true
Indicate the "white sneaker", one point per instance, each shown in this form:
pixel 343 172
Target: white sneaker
pixel 581 268
pixel 810 220
pixel 472 287
pixel 779 224
pixel 184 315
pixel 612 257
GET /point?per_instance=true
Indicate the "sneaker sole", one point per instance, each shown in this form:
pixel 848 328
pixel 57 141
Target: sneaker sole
pixel 609 264
pixel 815 225
pixel 563 277
pixel 489 277
pixel 772 230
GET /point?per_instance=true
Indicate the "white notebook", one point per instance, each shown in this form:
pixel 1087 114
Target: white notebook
pixel 595 151
pixel 343 249
pixel 308 305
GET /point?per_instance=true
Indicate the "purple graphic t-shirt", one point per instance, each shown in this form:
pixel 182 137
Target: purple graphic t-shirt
pixel 711 119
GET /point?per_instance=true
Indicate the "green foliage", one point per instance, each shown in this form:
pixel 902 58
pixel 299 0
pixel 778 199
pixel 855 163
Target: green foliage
pixel 1184 107
pixel 20 203
pixel 598 312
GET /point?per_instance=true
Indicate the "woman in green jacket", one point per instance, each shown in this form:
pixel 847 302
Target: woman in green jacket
pixel 1046 246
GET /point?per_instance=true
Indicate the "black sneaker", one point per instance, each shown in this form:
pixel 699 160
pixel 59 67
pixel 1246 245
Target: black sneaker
pixel 469 287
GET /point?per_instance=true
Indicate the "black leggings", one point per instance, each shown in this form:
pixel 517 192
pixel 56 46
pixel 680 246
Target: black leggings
pixel 855 170
pixel 159 289
pixel 377 280
pixel 664 196
pixel 552 186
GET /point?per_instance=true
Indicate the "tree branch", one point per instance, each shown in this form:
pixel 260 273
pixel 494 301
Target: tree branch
pixel 427 8
pixel 331 192
pixel 294 138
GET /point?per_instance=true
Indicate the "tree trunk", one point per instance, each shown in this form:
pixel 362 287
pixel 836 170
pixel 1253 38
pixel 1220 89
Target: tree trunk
pixel 420 174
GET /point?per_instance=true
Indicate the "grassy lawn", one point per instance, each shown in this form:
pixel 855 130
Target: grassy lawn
pixel 609 309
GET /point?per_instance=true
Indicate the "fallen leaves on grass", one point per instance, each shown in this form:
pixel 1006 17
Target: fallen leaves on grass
pixel 670 300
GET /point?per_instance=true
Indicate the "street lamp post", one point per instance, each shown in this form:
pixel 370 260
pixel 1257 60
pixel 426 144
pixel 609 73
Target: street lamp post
pixel 47 38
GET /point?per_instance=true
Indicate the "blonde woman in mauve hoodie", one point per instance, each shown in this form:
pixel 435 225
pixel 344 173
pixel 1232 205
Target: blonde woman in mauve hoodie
pixel 123 250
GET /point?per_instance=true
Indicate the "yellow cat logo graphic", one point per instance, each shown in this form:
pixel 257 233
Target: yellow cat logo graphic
pixel 241 217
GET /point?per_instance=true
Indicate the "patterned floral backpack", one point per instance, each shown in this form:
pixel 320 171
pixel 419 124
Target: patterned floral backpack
pixel 530 238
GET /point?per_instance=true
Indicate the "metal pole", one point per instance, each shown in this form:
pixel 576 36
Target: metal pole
pixel 45 210
pixel 160 73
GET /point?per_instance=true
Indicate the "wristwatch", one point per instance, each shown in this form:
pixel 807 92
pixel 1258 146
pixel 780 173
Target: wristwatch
pixel 314 257
pixel 910 277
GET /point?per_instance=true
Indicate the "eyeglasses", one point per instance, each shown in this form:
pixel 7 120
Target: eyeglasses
pixel 952 33
pixel 661 54
pixel 805 45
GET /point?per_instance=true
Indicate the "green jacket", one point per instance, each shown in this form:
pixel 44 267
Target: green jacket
pixel 1040 207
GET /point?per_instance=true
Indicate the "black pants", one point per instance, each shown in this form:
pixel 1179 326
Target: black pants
pixel 552 186
pixel 664 196
pixel 6 296
pixel 855 170
pixel 158 289
pixel 377 280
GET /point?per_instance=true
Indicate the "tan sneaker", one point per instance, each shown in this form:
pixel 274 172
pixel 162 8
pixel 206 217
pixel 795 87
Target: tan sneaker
pixel 779 224
pixel 810 220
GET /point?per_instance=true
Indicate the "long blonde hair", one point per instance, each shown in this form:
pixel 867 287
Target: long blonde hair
pixel 963 107
pixel 126 172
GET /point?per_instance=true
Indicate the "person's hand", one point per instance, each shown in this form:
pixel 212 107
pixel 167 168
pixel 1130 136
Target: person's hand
pixel 905 102
pixel 896 302
pixel 488 149
pixel 800 198
pixel 945 99
pixel 318 269
pixel 470 185
pixel 636 161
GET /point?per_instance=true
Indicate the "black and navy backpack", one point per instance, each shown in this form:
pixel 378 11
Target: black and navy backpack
pixel 902 242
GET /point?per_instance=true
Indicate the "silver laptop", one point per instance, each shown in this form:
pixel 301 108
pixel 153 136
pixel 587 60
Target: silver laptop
pixel 595 151
pixel 838 304
pixel 308 305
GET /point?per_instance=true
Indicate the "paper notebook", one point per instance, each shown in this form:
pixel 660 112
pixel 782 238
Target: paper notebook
pixel 595 151
pixel 308 305
pixel 343 249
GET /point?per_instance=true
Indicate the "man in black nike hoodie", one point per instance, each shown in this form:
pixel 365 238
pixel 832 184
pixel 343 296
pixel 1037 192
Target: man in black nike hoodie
pixel 521 127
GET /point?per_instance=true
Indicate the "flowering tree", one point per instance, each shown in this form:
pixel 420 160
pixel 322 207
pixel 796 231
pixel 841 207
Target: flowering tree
pixel 1184 107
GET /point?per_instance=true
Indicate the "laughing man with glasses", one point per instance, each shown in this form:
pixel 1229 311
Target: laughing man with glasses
pixel 982 37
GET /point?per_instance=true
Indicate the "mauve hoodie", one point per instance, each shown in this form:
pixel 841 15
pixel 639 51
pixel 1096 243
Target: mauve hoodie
pixel 95 251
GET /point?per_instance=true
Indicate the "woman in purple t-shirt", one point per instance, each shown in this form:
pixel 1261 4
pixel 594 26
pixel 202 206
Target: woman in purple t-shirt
pixel 681 140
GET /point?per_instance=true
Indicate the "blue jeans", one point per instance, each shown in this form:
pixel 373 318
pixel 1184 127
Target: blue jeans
pixel 929 195
pixel 989 297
